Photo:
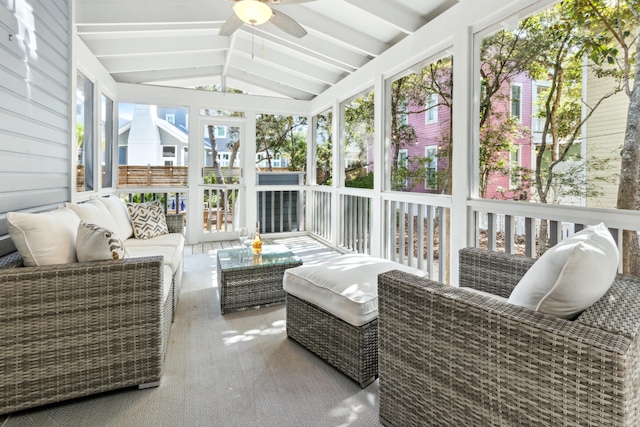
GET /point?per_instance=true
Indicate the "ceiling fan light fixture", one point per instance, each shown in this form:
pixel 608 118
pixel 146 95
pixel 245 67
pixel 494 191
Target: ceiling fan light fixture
pixel 253 12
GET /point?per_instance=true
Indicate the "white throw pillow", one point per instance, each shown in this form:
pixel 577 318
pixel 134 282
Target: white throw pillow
pixel 118 211
pixel 570 276
pixel 96 243
pixel 94 212
pixel 148 219
pixel 45 238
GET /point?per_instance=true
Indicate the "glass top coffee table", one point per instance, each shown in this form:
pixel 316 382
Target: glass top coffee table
pixel 248 281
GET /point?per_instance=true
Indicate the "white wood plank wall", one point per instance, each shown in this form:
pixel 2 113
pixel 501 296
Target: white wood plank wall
pixel 34 107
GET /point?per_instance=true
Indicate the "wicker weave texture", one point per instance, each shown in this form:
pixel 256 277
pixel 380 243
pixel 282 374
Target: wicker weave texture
pixel 175 223
pixel 449 357
pixel 77 329
pixel 351 349
pixel 253 286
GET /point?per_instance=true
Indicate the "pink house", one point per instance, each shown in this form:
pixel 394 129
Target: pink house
pixel 432 128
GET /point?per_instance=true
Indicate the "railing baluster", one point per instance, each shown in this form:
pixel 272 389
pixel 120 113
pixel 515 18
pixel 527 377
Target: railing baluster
pixel 442 249
pixel 491 231
pixel 420 237
pixel 410 234
pixel 430 240
pixel 530 237
pixel 391 231
pixel 555 233
pixel 401 233
pixel 509 235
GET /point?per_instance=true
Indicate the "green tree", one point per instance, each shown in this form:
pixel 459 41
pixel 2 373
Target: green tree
pixel 359 127
pixel 409 94
pixel 504 56
pixel 324 148
pixel 547 46
pixel 281 135
pixel 563 43
pixel 617 22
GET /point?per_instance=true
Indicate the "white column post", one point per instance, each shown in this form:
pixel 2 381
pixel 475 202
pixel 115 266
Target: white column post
pixel 464 165
pixel 381 167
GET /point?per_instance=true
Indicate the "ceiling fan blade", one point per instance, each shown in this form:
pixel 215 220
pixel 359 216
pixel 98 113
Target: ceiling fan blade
pixel 230 26
pixel 287 24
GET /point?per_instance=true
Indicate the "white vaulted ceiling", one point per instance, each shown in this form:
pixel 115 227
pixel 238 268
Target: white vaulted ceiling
pixel 176 42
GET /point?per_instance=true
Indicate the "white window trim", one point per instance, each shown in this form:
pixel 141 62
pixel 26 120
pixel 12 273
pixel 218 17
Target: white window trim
pixel 405 159
pixel 173 159
pixel 432 108
pixel 511 86
pixel 534 99
pixel 427 150
pixel 518 152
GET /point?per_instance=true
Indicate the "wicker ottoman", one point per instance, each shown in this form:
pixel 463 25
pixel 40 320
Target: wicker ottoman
pixel 332 310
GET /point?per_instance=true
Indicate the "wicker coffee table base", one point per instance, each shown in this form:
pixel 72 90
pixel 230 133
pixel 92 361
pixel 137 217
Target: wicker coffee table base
pixel 351 349
pixel 255 287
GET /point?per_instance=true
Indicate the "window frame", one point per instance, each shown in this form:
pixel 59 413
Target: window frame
pixel 513 85
pixel 431 111
pixel 427 149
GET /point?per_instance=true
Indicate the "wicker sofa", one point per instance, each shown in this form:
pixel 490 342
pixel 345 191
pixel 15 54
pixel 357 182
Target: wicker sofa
pixel 72 330
pixel 451 357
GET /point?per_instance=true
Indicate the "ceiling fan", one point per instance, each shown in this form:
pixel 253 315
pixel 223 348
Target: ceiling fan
pixel 257 12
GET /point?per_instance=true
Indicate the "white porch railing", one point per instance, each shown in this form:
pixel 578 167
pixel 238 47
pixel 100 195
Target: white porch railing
pixel 498 231
pixel 413 227
pixel 220 213
pixel 281 209
pixel 415 232
pixel 319 203
pixel 355 223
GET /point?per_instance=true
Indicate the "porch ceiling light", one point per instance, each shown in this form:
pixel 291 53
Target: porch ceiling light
pixel 252 12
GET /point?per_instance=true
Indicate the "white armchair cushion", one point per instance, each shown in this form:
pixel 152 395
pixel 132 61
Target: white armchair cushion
pixel 45 238
pixel 570 276
pixel 96 243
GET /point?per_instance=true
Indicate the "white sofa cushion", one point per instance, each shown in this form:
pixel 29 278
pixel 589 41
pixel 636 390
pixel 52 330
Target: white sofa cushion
pixel 570 276
pixel 94 212
pixel 345 286
pixel 96 243
pixel 170 246
pixel 45 238
pixel 118 211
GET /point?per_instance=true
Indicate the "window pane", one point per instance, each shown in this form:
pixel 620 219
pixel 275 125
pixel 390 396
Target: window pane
pixel 538 100
pixel 358 141
pixel 324 148
pixel 152 151
pixel 84 134
pixel 281 144
pixel 221 155
pixel 106 148
pixel 423 140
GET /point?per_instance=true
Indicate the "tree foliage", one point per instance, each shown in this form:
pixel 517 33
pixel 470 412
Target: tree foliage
pixel 409 95
pixel 617 23
pixel 284 136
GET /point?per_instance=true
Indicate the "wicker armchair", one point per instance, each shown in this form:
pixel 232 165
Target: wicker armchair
pixel 450 357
